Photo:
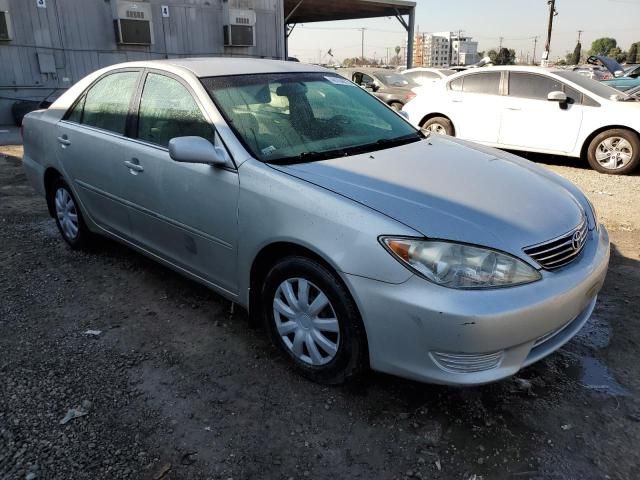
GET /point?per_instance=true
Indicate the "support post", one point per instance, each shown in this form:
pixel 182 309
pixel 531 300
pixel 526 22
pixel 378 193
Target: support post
pixel 411 34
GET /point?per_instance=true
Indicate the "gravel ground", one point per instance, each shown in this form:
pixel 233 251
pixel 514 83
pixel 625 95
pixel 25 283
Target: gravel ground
pixel 176 386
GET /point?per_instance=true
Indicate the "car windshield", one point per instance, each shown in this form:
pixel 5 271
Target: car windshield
pixel 595 87
pixel 396 80
pixel 447 73
pixel 302 117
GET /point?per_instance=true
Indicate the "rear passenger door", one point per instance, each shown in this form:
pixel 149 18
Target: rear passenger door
pixel 91 141
pixel 185 213
pixel 476 106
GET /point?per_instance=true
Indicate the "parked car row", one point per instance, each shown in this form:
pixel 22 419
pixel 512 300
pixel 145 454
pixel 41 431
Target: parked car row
pixel 539 110
pixel 357 239
pixel 391 87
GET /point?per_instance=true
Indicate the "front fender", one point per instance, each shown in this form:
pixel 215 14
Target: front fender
pixel 276 207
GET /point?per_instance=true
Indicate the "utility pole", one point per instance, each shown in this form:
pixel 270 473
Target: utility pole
pixel 535 45
pixel 552 13
pixel 362 30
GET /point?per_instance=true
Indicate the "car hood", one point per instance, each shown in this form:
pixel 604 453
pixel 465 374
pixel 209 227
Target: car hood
pixel 448 189
pixel 609 63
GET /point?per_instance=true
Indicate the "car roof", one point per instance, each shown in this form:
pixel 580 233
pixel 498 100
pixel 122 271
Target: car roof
pixel 224 66
pixel 511 68
pixel 426 69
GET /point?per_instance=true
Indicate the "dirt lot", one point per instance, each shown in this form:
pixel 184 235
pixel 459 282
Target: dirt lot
pixel 175 386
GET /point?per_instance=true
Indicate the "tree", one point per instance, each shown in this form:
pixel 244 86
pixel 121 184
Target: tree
pixel 632 55
pixel 358 62
pixel 603 46
pixel 577 54
pixel 618 54
pixel 504 57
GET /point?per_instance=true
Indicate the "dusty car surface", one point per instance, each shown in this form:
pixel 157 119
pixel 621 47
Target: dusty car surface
pixel 358 240
pixel 536 109
pixel 391 87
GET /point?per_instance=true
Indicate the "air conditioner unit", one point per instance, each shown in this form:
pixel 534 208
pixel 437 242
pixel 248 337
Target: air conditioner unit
pixel 239 28
pixel 132 23
pixel 6 33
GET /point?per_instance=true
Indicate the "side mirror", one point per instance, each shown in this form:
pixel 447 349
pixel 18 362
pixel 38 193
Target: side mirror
pixel 371 86
pixel 558 96
pixel 618 73
pixel 196 150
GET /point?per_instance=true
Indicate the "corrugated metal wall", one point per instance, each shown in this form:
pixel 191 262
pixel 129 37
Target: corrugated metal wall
pixel 79 34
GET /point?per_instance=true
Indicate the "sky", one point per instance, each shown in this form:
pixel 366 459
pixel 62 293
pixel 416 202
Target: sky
pixel 518 21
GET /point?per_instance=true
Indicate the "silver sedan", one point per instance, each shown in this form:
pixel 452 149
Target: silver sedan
pixel 358 240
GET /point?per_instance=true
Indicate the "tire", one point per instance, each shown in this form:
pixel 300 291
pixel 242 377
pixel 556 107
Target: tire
pixel 397 106
pixel 615 151
pixel 346 334
pixel 67 215
pixel 440 125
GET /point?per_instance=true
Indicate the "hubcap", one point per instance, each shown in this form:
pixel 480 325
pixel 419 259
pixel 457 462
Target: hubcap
pixel 436 128
pixel 306 321
pixel 614 153
pixel 67 213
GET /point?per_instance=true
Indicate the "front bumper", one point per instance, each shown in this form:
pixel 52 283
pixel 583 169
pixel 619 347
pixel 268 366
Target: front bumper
pixel 428 333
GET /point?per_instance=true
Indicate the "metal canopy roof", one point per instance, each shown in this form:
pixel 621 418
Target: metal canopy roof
pixel 307 11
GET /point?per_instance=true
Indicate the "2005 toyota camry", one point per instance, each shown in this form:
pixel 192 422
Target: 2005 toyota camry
pixel 359 241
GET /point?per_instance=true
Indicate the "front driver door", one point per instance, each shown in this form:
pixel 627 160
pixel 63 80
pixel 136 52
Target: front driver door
pixel 186 213
pixel 531 121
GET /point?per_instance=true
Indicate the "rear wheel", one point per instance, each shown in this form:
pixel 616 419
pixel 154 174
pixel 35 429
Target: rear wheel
pixel 67 215
pixel 615 151
pixel 439 125
pixel 313 320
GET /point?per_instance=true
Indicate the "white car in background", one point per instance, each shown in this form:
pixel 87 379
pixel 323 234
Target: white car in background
pixel 537 110
pixel 424 76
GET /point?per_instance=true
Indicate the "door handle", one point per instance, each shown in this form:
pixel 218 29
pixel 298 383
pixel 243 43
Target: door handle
pixel 514 109
pixel 64 141
pixel 456 101
pixel 133 166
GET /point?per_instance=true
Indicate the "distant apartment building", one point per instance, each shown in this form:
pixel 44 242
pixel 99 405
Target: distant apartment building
pixel 443 49
pixel 464 51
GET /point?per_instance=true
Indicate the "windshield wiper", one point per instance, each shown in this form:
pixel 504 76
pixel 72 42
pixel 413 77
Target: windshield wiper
pixel 306 157
pixel 383 143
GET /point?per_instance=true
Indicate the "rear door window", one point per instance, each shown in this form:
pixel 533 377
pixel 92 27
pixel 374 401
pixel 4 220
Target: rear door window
pixel 485 83
pixel 106 104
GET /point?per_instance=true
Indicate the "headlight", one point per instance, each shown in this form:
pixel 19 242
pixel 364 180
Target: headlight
pixel 455 265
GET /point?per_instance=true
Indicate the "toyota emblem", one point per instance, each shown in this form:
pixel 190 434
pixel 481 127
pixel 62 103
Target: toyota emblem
pixel 576 241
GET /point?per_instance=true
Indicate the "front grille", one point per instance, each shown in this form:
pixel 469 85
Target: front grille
pixel 560 251
pixel 467 362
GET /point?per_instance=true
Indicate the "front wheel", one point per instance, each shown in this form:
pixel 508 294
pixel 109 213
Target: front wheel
pixel 313 320
pixel 615 151
pixel 439 125
pixel 397 106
